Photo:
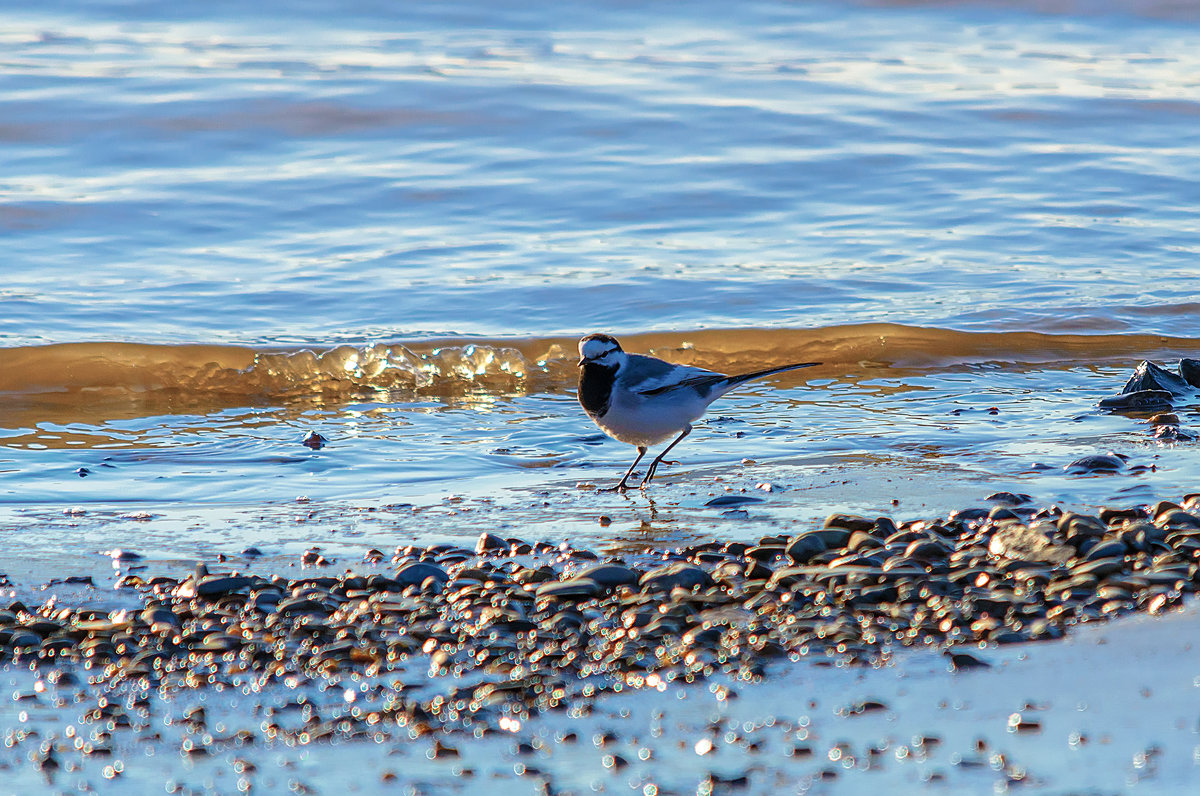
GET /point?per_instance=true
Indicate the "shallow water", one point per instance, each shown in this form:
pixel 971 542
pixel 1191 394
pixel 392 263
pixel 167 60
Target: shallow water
pixel 436 202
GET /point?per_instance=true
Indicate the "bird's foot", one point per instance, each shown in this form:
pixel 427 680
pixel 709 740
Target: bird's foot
pixel 620 488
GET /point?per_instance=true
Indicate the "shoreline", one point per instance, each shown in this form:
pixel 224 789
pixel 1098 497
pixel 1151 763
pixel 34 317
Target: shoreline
pixel 459 644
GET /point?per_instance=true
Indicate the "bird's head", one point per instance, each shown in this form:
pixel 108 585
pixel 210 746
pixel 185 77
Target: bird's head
pixel 600 349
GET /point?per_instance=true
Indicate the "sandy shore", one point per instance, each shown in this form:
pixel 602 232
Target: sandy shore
pixel 834 660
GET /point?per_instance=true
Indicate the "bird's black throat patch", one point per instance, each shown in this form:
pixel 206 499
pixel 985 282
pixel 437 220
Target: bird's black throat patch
pixel 595 387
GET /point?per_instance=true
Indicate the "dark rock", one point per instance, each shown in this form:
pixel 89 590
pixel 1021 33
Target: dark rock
pixel 806 546
pixel 765 552
pixel 414 573
pixel 1109 549
pixel 1099 463
pixel 724 501
pixel 1177 518
pixel 610 575
pixel 313 440
pixel 1148 376
pixel 222 584
pixel 849 522
pixel 926 550
pixel 864 707
pixel 1099 567
pixel 1116 516
pixel 1009 498
pixel 1141 401
pixel 963 661
pixel 884 526
pixel 1189 369
pixel 665 578
pixel 489 543
pixel 1003 513
pixel 572 589
pixel 293 606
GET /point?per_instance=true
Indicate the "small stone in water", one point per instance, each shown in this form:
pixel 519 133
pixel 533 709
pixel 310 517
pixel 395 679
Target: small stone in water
pixel 489 543
pixel 1141 401
pixel 1100 463
pixel 313 440
pixel 962 661
pixel 313 558
pixel 1009 498
pixel 732 500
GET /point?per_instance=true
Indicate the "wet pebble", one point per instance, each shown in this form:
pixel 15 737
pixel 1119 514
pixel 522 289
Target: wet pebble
pixel 726 501
pixel 677 575
pixel 523 627
pixel 1099 463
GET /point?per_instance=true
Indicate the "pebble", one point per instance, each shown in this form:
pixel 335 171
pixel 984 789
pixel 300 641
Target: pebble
pixel 1100 463
pixel 516 633
pixel 677 575
pixel 1140 401
pixel 725 501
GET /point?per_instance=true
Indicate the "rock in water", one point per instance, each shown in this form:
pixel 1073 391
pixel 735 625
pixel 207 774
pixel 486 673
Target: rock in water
pixel 1139 401
pixel 1100 463
pixel 1189 369
pixel 1148 376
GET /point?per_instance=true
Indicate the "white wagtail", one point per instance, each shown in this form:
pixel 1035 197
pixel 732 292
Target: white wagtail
pixel 642 400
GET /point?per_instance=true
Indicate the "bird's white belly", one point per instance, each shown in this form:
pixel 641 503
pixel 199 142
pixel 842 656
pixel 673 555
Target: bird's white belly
pixel 648 420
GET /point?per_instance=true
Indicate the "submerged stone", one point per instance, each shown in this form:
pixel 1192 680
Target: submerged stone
pixel 1100 463
pixel 1140 401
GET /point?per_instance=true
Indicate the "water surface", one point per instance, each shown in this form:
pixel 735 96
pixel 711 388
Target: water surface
pixel 388 226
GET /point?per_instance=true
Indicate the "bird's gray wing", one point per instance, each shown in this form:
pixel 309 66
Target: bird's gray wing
pixel 650 376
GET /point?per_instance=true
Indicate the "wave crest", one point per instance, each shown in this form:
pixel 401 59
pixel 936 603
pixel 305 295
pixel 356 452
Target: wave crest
pixel 450 367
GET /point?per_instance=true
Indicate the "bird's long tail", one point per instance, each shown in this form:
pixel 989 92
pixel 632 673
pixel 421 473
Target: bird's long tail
pixel 733 381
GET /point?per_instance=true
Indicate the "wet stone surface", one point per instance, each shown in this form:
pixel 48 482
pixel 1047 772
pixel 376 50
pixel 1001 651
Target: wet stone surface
pixel 447 641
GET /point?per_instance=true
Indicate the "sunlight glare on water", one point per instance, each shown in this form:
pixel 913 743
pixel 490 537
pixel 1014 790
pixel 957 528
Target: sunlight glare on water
pixel 343 179
pixel 390 225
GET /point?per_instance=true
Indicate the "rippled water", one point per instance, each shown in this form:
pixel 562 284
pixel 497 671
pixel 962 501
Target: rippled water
pixel 454 192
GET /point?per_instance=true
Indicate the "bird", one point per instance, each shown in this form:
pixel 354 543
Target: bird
pixel 642 400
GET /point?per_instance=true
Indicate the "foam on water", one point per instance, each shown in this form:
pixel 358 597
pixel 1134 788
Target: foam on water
pixel 453 367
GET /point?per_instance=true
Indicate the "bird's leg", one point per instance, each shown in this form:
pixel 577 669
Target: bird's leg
pixel 622 486
pixel 654 464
